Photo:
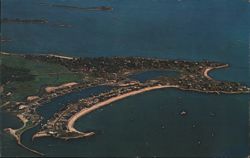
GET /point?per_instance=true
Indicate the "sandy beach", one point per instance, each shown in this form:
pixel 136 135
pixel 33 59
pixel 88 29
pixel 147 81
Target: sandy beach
pixel 208 69
pixel 83 112
pixel 4 53
pixel 66 85
pixel 13 132
pixel 40 134
pixel 60 56
pixel 32 98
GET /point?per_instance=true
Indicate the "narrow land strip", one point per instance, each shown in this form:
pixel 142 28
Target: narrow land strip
pixel 83 112
pixel 208 69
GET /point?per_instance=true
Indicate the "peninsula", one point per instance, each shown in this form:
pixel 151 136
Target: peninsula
pixel 80 73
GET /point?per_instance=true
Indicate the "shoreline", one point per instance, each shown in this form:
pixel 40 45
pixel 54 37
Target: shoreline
pixel 83 112
pixel 61 56
pixel 50 89
pixel 208 69
pixel 13 132
pixel 71 121
pixel 193 77
pixel 74 118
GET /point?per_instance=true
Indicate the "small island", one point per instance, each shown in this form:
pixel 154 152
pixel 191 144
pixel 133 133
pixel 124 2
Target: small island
pixel 76 74
pixel 97 8
pixel 24 21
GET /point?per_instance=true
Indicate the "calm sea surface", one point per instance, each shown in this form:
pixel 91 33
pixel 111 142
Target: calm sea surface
pixel 147 124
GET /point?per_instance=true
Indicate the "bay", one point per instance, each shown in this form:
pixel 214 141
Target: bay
pixel 147 124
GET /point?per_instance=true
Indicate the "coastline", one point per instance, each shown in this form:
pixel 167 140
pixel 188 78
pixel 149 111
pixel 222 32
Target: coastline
pixel 61 56
pixel 13 132
pixel 83 112
pixel 193 77
pixel 71 121
pixel 51 89
pixel 208 69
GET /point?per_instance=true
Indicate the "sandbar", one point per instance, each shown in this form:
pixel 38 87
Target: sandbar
pixel 83 112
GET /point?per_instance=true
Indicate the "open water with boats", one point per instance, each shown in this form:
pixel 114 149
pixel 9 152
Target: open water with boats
pixel 147 124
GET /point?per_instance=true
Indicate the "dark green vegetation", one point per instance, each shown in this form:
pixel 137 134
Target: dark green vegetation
pixel 115 72
pixel 62 72
pixel 22 77
pixel 10 74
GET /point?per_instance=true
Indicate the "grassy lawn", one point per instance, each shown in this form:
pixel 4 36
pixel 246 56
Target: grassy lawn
pixel 44 74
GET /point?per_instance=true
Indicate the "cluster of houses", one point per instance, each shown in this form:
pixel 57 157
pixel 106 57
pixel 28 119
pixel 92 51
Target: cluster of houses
pixel 191 78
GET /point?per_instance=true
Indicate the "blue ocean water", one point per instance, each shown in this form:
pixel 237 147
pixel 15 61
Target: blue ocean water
pixel 174 29
pixel 150 124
